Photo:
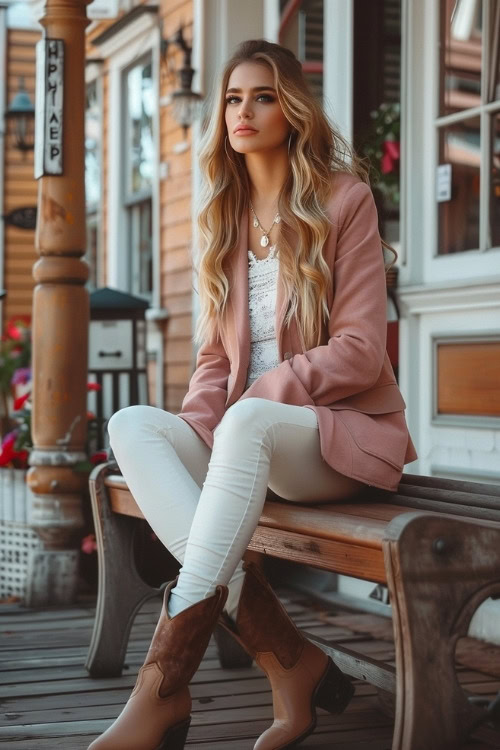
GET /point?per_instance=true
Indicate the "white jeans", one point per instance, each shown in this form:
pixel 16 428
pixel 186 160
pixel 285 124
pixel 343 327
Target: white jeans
pixel 205 505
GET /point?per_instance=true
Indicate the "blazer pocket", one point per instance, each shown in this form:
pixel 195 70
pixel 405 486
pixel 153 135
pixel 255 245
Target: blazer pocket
pixel 382 399
pixel 384 436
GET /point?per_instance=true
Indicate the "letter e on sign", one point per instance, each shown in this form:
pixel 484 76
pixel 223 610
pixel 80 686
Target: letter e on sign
pixel 49 107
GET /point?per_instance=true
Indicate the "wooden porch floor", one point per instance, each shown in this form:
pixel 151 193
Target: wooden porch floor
pixel 48 700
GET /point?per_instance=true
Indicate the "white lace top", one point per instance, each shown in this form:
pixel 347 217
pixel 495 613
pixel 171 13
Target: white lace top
pixel 262 287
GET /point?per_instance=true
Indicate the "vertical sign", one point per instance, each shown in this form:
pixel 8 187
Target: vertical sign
pixel 49 107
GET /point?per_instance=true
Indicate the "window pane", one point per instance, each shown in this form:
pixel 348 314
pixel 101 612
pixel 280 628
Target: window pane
pixel 495 180
pixel 459 217
pixel 140 248
pixel 303 34
pixel 311 43
pixel 461 48
pixel 92 146
pixel 145 250
pixel 140 104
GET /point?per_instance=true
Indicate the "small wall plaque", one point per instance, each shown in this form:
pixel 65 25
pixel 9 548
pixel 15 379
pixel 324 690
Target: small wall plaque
pixel 443 183
pixel 49 107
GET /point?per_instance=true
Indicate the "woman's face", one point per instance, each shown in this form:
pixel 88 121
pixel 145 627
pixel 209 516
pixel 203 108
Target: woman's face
pixel 258 109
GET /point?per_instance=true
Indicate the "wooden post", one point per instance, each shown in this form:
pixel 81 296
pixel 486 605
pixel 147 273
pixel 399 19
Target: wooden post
pixel 60 305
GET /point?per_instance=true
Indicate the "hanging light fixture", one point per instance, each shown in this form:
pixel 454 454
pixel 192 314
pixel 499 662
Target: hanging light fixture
pixel 22 112
pixel 186 103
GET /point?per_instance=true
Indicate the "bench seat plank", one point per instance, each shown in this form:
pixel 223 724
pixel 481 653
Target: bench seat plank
pixel 365 524
pixel 343 557
pixel 122 502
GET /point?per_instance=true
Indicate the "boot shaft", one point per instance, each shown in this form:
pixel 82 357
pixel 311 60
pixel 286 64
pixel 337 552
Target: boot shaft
pixel 263 623
pixel 179 642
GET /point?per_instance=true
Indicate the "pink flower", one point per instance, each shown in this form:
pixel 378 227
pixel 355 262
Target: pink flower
pixel 14 330
pixel 7 450
pixel 94 387
pixel 19 402
pixel 21 376
pixel 98 458
pixel 8 455
pixel 390 157
pixel 88 544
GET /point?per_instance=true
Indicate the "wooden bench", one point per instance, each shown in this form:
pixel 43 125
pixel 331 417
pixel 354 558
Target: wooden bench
pixel 435 543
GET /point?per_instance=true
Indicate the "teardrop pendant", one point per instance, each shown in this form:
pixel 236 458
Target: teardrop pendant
pixel 264 240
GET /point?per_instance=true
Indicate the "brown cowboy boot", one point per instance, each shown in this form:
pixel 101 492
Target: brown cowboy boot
pixel 158 713
pixel 302 676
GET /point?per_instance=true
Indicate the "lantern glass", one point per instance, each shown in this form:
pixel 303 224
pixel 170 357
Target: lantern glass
pixel 22 112
pixel 186 107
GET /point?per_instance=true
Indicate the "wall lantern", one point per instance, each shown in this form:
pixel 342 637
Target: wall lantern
pixel 186 103
pixel 22 112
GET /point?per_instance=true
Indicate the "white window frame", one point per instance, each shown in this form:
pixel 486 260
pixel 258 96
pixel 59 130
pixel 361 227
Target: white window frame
pixel 338 55
pixel 93 74
pixel 123 49
pixel 419 229
pixel 131 202
pixel 127 46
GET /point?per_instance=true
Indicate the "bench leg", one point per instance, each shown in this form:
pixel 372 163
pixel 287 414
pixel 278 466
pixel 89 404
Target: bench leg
pixel 121 591
pixel 439 570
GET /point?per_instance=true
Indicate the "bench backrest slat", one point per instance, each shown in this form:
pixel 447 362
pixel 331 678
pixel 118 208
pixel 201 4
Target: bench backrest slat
pixel 455 500
pixel 439 483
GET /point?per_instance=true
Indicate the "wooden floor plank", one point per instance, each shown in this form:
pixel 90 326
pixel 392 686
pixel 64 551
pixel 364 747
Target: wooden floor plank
pixel 49 701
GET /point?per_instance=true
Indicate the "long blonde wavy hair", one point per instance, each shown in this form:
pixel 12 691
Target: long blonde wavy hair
pixel 316 150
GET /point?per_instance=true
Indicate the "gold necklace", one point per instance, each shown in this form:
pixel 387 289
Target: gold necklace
pixel 264 240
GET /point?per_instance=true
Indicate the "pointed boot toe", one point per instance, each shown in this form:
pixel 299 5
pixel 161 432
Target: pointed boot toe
pixel 148 721
pixel 158 713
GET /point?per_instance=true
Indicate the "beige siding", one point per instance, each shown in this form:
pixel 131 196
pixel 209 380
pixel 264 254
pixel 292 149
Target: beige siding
pixel 20 186
pixel 175 228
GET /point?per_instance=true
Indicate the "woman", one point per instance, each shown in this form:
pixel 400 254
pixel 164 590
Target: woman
pixel 293 315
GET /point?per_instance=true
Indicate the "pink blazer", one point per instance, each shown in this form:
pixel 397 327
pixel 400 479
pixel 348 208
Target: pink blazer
pixel 348 380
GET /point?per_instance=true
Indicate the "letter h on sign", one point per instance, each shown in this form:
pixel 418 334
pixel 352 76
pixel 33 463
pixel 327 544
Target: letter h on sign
pixel 49 107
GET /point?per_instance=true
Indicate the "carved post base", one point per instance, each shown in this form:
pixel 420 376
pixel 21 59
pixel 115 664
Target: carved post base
pixel 56 516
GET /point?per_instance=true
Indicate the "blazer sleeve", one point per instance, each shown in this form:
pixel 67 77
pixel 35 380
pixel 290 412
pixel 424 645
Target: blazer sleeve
pixel 352 359
pixel 205 402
